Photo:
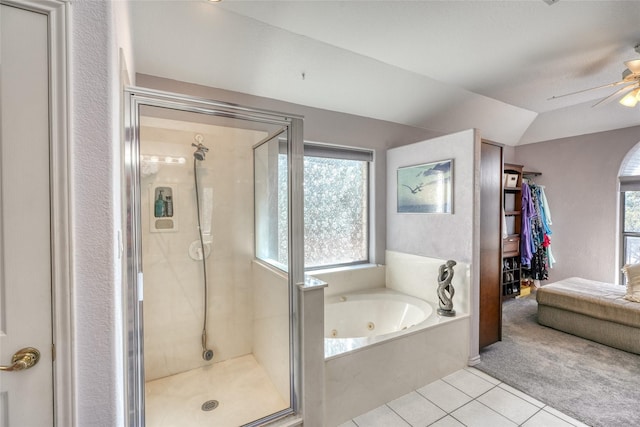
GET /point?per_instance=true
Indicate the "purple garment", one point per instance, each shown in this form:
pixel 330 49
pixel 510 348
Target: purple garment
pixel 526 240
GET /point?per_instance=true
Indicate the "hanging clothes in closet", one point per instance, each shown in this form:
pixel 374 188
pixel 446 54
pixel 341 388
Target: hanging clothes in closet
pixel 535 243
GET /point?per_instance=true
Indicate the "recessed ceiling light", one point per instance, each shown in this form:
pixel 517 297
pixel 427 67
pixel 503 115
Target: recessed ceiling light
pixel 550 2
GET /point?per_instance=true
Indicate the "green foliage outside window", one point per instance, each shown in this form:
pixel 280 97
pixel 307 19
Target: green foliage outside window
pixel 632 211
pixel 631 225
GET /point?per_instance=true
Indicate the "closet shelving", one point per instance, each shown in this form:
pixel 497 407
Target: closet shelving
pixel 512 204
pixel 529 174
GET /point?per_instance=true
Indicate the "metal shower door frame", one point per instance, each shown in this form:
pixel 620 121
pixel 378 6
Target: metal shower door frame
pixel 134 99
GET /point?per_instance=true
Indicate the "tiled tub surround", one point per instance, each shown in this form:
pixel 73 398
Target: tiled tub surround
pixel 375 370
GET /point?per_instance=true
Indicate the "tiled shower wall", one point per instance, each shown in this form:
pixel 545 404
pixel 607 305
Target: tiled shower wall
pixel 173 281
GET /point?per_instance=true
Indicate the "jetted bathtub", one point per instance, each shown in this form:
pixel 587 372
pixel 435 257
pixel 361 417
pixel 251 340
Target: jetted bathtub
pixel 381 344
pixel 358 319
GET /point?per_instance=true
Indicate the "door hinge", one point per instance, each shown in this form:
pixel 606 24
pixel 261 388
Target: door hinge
pixel 53 352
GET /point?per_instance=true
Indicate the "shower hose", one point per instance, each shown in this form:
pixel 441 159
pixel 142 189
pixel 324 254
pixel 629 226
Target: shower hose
pixel 207 354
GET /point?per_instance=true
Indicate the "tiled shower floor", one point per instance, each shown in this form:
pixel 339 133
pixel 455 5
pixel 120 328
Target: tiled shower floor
pixel 241 386
pixel 465 398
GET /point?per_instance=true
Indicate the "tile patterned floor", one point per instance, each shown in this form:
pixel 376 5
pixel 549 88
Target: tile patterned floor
pixel 469 398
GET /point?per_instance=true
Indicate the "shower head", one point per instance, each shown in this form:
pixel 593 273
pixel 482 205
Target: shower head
pixel 200 152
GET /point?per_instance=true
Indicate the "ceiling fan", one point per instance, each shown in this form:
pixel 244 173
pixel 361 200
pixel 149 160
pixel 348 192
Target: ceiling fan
pixel 630 91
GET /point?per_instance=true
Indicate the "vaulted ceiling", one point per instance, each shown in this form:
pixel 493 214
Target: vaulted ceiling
pixel 440 65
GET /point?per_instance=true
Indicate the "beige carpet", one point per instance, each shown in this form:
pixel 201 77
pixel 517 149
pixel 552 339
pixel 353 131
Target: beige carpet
pixel 591 382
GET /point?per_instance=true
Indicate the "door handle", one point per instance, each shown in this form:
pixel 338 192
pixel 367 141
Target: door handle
pixel 23 359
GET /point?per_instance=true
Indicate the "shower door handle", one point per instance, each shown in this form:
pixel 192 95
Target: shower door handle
pixel 23 359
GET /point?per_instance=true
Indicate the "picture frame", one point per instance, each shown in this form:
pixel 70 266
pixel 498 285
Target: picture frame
pixel 426 188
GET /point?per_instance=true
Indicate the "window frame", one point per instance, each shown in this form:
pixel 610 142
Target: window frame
pixel 626 184
pixel 326 150
pixel 332 151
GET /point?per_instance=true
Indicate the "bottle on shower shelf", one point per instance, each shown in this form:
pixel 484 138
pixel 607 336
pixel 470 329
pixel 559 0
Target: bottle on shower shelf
pixel 159 206
pixel 168 206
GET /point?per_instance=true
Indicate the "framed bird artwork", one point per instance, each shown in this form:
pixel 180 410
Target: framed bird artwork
pixel 425 188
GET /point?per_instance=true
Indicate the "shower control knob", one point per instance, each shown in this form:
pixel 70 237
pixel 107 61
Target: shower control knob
pixel 195 250
pixel 207 355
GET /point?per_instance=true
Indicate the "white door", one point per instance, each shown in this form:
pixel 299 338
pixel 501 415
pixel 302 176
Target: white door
pixel 26 396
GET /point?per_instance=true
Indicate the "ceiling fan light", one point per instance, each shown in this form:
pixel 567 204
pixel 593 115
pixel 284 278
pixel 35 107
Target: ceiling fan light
pixel 633 65
pixel 631 99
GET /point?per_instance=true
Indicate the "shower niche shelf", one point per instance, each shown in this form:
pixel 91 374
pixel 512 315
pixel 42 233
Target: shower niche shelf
pixel 162 213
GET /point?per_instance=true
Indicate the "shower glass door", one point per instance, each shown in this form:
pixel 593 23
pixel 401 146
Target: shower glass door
pixel 211 341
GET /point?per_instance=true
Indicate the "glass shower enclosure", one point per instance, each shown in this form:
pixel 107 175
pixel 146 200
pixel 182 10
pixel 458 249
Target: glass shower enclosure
pixel 212 333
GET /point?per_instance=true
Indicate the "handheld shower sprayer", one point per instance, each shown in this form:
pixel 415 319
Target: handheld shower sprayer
pixel 201 150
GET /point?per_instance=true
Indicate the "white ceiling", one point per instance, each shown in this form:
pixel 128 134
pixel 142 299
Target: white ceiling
pixel 441 65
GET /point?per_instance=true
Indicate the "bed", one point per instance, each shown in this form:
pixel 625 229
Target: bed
pixel 593 310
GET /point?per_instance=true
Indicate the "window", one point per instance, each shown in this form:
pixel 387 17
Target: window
pixel 336 208
pixel 630 209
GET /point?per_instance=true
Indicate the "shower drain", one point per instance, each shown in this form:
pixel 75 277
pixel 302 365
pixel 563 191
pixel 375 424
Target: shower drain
pixel 210 405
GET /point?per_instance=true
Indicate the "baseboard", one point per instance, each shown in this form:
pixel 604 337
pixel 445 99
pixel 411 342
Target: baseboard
pixel 473 361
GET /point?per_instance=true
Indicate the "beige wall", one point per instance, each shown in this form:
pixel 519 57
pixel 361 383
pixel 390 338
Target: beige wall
pixel 509 154
pixel 96 318
pixel 580 178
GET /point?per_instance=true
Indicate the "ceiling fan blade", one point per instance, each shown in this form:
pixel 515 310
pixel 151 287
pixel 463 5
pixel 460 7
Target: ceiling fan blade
pixel 633 65
pixel 587 90
pixel 621 91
